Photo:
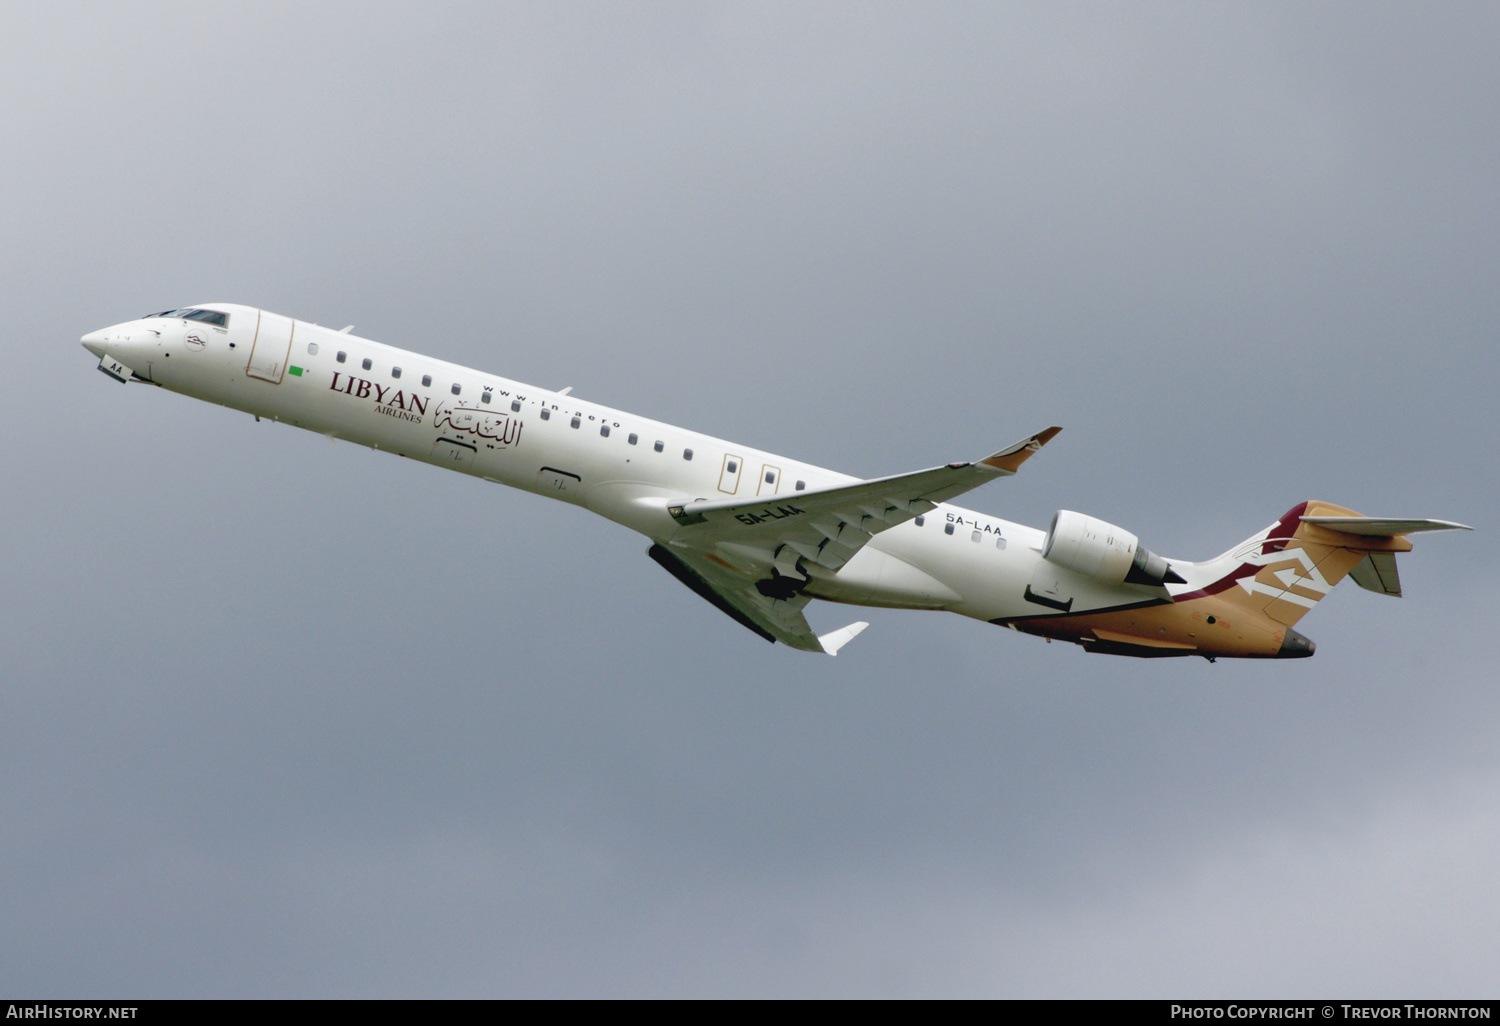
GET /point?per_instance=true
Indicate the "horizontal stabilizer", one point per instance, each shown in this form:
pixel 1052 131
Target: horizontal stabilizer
pixel 835 640
pixel 1377 573
pixel 1380 527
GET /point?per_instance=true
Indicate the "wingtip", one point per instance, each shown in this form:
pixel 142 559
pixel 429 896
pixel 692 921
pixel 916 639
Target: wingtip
pixel 1010 459
pixel 835 640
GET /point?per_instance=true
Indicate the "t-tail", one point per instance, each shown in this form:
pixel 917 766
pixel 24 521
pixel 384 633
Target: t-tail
pixel 1271 580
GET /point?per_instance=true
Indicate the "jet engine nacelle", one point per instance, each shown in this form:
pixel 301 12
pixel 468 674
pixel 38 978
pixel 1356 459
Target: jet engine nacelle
pixel 1106 553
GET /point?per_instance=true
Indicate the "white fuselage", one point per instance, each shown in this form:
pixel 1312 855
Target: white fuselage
pixel 622 466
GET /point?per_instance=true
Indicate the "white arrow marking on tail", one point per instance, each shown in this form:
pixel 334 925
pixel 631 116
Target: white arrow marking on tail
pixel 1312 580
pixel 1251 586
pixel 1289 577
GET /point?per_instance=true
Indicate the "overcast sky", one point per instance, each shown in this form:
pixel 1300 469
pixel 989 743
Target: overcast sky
pixel 286 718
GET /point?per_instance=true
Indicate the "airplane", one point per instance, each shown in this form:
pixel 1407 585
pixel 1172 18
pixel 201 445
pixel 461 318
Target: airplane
pixel 759 535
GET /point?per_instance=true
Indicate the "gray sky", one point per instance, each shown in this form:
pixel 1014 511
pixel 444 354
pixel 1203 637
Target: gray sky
pixel 291 719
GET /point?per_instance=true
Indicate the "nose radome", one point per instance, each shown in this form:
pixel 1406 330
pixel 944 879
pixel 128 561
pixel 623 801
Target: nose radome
pixel 94 342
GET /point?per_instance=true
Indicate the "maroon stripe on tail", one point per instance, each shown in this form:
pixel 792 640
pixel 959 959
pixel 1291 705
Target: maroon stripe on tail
pixel 1284 529
pixel 1276 541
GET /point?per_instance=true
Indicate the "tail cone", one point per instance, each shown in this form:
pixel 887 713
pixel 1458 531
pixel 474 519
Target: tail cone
pixel 1295 646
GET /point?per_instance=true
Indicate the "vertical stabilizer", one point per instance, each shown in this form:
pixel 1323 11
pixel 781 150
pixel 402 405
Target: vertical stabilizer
pixel 1284 570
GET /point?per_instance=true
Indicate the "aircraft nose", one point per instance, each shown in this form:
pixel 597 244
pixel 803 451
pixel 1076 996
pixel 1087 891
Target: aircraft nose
pixel 94 342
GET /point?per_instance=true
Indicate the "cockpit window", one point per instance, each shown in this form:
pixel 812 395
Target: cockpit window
pixel 194 314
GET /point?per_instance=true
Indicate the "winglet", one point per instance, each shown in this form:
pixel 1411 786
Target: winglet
pixel 835 640
pixel 1009 460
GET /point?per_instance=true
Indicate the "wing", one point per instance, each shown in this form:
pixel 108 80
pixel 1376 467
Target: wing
pixel 775 619
pixel 827 527
pixel 744 556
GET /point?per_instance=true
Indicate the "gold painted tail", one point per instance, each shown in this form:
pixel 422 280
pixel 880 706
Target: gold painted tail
pixel 1283 574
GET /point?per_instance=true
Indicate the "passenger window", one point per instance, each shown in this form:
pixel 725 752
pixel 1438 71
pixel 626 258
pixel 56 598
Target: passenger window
pixel 770 477
pixel 658 447
pixel 633 439
pixel 801 485
pixel 576 422
pixel 687 454
pixel 976 536
pixel 365 363
pixel 546 413
pixel 484 397
pixel 312 349
pixel 604 430
pixel 456 389
pixel 921 521
pixel 999 543
pixel 341 357
pixel 947 528
pixel 395 372
pixel 426 378
pixel 515 406
pixel 733 467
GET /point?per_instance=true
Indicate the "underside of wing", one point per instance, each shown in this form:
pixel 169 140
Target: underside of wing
pixel 775 619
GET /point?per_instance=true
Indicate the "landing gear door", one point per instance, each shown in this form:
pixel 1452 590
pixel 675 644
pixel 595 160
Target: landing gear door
pixel 273 344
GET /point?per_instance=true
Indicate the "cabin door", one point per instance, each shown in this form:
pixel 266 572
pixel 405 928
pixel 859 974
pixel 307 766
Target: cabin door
pixel 273 343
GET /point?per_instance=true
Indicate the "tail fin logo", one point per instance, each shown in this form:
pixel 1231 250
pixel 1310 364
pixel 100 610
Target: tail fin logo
pixel 1290 568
